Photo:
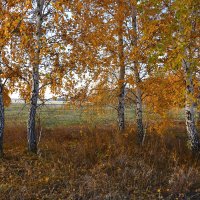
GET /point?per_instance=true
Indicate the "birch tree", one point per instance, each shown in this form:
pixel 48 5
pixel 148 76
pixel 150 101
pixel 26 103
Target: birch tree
pixel 137 80
pixel 113 33
pixel 32 143
pixel 10 22
pixel 122 70
pixel 181 41
pixel 46 57
pixel 188 30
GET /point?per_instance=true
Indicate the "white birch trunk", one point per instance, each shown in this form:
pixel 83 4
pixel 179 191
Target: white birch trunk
pixel 121 95
pixel 32 138
pixel 189 108
pixel 121 101
pixel 139 116
pixel 138 92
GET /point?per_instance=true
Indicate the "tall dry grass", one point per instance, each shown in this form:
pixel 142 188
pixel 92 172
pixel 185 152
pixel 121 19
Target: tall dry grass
pixel 83 163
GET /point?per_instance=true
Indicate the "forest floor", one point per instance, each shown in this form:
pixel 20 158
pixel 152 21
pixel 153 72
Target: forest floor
pixel 98 163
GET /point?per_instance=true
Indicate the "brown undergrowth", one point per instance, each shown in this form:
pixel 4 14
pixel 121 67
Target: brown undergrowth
pixel 80 163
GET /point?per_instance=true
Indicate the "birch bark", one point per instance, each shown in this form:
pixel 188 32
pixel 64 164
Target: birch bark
pixel 138 92
pixel 189 108
pixel 32 138
pixel 121 84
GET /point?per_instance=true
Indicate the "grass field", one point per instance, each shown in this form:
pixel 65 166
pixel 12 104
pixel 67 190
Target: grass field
pixel 49 116
pixel 62 115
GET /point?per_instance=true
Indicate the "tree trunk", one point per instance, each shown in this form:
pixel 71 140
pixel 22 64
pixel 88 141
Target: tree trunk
pixel 138 92
pixel 32 142
pixel 189 108
pixel 2 119
pixel 139 117
pixel 121 104
pixel 121 84
pixel 32 138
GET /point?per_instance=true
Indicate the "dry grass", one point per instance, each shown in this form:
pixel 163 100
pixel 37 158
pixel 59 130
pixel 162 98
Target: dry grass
pixel 80 163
